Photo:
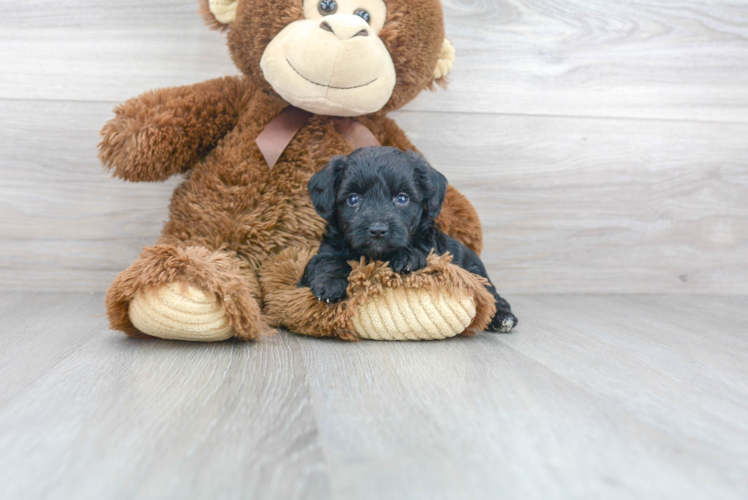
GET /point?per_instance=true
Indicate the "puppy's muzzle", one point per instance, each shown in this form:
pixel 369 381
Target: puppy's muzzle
pixel 378 230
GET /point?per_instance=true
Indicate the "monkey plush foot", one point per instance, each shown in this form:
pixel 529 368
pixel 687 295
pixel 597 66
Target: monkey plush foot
pixel 439 301
pixel 414 314
pixel 180 311
pixel 186 293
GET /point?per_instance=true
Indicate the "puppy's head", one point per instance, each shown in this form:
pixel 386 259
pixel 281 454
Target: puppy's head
pixel 378 198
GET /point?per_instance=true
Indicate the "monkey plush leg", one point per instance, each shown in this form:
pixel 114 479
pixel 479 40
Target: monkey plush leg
pixel 186 293
pixel 164 132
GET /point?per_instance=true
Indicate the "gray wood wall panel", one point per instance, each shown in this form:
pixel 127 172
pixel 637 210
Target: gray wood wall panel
pixel 680 60
pixel 605 146
pixel 594 205
pixel 600 205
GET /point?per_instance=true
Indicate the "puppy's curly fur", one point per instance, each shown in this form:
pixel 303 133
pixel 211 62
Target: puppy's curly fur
pixel 380 203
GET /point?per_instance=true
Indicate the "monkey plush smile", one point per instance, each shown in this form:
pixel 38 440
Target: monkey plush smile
pixel 318 63
pixel 329 86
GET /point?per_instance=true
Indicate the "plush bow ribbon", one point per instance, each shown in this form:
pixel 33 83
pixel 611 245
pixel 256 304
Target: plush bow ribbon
pixel 277 135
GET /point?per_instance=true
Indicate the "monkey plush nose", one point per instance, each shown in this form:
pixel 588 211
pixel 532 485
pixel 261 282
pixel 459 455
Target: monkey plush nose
pixel 378 230
pixel 345 26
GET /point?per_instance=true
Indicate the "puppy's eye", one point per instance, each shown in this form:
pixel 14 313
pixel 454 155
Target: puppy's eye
pixel 402 199
pixel 363 15
pixel 327 7
pixel 353 200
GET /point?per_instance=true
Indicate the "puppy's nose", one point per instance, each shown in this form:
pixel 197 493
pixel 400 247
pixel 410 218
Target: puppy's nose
pixel 378 230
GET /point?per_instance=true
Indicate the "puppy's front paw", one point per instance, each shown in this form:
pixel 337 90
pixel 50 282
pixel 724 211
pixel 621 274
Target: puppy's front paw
pixel 331 290
pixel 407 262
pixel 503 322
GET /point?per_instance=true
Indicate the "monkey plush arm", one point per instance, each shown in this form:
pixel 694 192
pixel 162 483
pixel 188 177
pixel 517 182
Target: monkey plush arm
pixel 458 217
pixel 164 132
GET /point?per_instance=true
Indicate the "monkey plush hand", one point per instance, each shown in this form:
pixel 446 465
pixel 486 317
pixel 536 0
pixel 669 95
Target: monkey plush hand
pixel 317 76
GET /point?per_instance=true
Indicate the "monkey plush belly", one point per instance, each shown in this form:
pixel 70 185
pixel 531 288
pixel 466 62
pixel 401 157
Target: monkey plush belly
pixel 256 220
pixel 235 201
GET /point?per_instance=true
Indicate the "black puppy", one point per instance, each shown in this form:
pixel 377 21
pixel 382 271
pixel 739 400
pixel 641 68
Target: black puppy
pixel 381 203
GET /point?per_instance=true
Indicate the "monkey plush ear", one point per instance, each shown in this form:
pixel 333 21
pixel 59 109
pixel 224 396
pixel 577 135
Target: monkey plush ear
pixel 433 184
pixel 323 186
pixel 218 14
pixel 444 64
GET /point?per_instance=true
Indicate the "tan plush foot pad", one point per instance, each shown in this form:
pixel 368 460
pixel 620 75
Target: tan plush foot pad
pixel 179 311
pixel 413 314
pixel 437 302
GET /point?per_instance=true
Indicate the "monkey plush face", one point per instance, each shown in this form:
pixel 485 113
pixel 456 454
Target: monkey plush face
pixel 337 57
pixel 333 62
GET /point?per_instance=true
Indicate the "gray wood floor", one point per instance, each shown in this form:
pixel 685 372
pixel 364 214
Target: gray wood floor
pixel 592 397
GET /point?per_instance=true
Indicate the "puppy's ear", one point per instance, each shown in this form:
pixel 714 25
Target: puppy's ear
pixel 323 186
pixel 433 184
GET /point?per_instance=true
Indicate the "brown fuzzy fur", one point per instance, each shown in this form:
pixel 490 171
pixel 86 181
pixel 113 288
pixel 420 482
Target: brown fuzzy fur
pixel 300 311
pixel 232 213
pixel 461 221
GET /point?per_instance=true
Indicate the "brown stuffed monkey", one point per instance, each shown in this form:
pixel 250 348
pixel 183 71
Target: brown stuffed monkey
pixel 241 225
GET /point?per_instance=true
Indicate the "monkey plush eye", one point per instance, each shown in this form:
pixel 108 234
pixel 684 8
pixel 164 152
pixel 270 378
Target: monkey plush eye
pixel 362 14
pixel 327 7
pixel 402 199
pixel 353 200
